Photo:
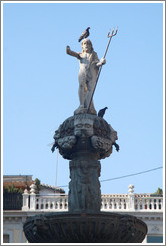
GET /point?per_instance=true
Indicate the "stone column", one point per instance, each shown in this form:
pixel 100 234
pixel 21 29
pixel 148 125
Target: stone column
pixel 84 139
pixel 84 187
pixel 33 197
pixel 131 197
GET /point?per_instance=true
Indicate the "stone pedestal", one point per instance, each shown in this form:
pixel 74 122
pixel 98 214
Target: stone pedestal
pixel 84 139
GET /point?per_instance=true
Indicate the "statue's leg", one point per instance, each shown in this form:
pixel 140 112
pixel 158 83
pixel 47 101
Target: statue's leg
pixel 82 91
pixel 88 97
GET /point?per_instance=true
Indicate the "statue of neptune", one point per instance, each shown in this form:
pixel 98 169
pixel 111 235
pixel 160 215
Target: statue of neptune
pixel 89 66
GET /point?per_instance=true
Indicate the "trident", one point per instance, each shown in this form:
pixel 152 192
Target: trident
pixel 108 36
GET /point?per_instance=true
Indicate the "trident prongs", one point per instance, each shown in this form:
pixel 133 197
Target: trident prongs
pixel 112 34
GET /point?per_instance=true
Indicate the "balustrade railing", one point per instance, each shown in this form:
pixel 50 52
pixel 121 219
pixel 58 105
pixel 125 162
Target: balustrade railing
pixel 52 202
pixel 148 203
pixel 114 202
pixel 111 202
pixel 132 202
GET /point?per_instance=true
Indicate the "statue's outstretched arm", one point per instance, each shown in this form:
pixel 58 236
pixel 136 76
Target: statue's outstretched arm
pixel 72 53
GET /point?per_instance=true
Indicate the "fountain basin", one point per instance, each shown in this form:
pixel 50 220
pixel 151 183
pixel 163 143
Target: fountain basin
pixel 102 227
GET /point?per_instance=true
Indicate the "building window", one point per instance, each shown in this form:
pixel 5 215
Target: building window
pixel 154 239
pixel 5 238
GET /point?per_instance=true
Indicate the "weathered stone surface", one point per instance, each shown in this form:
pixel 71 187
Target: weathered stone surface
pixel 85 136
pixel 84 187
pixel 85 139
pixel 103 227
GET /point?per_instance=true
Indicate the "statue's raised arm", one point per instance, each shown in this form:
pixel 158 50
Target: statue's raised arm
pixel 72 53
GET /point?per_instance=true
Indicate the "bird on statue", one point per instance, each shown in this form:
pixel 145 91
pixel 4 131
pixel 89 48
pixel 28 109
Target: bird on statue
pixel 116 146
pixel 102 112
pixel 85 34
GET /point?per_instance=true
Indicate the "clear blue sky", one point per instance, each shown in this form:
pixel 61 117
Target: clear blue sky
pixel 40 87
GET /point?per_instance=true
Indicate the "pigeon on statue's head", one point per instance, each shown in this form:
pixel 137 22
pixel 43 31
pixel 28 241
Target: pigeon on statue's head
pixel 85 34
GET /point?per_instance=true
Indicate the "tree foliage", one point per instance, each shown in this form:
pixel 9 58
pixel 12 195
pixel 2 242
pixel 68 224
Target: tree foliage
pixel 159 191
pixel 37 183
pixel 12 189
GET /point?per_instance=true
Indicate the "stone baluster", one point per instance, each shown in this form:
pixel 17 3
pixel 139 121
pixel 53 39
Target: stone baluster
pixel 53 204
pixel 25 200
pixel 67 204
pixel 106 203
pixel 40 203
pixel 152 204
pixel 58 203
pixel 157 204
pixel 102 202
pixel 138 203
pixel 109 203
pixel 117 203
pixel 44 203
pixel 49 203
pixel 148 204
pixel 114 205
pixel 122 204
pixel 127 203
pixel 161 203
pixel 63 203
pixel 143 203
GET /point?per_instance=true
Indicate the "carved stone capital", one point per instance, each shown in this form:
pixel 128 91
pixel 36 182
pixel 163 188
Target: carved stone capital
pixel 85 136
